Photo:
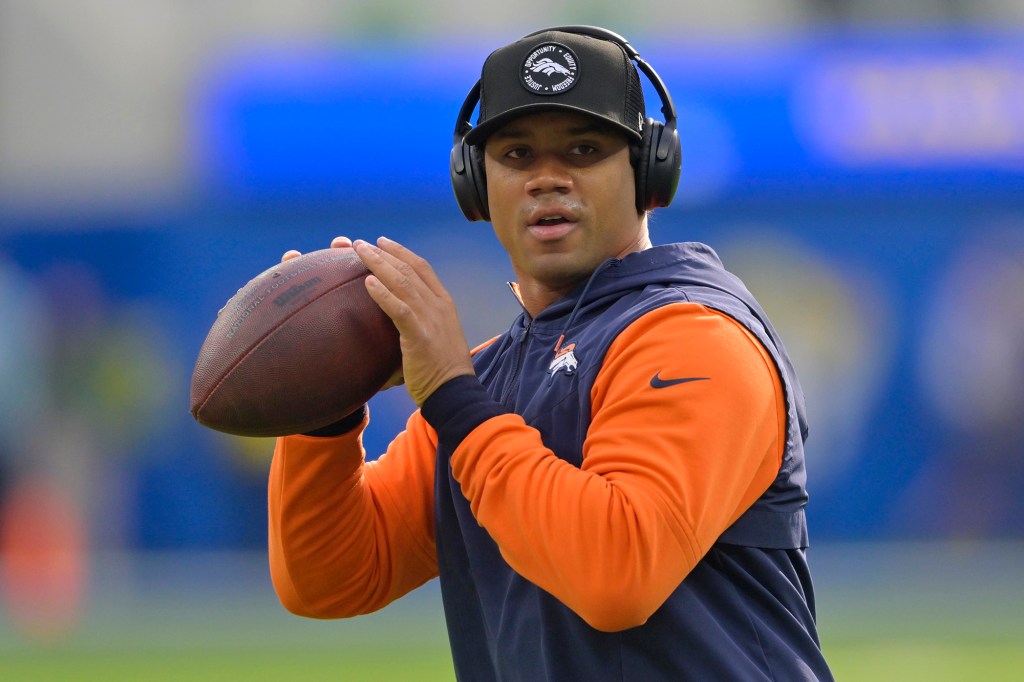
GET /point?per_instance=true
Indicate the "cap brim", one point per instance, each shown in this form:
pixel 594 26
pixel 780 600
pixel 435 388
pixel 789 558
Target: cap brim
pixel 479 134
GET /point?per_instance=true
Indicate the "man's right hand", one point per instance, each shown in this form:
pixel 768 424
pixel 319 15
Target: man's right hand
pixel 406 287
pixel 397 379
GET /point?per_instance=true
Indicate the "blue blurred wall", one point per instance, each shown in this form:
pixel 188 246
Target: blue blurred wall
pixel 868 187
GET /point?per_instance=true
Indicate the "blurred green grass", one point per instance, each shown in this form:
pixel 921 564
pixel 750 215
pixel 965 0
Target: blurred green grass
pixel 880 661
pixel 384 665
pixel 923 660
pixel 900 612
pixel 864 660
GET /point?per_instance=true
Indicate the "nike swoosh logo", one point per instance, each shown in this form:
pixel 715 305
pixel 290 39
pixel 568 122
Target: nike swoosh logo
pixel 658 382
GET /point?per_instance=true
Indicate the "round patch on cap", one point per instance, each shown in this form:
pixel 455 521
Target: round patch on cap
pixel 551 69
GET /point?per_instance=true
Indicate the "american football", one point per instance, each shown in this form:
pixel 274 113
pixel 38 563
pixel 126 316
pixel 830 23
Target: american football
pixel 297 348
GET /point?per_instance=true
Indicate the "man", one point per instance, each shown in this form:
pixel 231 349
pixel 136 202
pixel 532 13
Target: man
pixel 612 489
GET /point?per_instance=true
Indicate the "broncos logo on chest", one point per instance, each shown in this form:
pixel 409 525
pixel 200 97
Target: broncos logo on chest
pixel 564 358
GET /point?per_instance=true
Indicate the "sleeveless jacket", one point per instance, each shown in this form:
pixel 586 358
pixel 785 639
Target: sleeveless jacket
pixel 746 611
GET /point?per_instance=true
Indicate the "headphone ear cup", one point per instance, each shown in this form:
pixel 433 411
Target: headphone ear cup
pixel 660 175
pixel 469 181
pixel 643 164
pixel 666 160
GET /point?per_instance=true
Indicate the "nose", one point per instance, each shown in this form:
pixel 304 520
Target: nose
pixel 549 173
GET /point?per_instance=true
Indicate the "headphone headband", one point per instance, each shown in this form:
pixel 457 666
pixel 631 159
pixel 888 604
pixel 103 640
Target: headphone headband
pixel 668 109
pixel 657 170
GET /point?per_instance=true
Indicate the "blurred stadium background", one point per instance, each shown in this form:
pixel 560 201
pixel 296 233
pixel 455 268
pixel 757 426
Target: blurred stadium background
pixel 860 163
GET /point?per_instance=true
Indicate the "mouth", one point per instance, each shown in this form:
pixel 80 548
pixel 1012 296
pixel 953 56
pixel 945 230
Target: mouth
pixel 549 225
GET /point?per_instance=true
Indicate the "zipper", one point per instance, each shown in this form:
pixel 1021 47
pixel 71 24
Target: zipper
pixel 517 368
pixel 524 341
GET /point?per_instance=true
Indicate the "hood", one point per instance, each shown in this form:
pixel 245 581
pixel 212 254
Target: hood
pixel 694 268
pixel 683 264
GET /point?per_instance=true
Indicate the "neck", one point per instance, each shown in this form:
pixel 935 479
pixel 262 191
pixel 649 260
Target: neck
pixel 535 295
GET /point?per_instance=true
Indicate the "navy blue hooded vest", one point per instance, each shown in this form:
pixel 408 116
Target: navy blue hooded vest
pixel 746 611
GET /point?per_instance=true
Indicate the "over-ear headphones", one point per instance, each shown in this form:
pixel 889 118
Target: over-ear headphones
pixel 660 157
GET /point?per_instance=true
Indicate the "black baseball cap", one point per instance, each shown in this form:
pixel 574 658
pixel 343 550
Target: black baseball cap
pixel 556 70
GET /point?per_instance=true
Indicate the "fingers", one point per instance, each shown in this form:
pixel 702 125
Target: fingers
pixel 417 263
pixel 400 277
pixel 399 269
pixel 388 271
pixel 393 284
pixel 336 243
pixel 403 284
pixel 397 309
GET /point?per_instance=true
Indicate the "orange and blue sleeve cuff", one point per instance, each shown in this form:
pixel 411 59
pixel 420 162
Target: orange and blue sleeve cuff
pixel 457 407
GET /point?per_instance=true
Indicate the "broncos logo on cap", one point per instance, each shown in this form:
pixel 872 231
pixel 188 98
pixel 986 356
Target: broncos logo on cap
pixel 548 67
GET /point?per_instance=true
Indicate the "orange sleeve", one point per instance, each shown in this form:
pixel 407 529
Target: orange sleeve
pixel 347 537
pixel 665 470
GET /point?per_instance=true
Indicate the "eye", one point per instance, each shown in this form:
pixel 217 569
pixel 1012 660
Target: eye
pixel 583 149
pixel 517 153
